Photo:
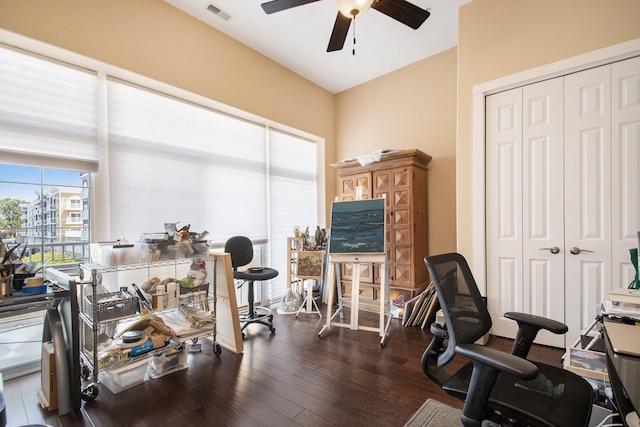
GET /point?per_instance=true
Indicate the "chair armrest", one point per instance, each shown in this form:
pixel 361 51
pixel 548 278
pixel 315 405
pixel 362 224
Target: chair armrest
pixel 538 321
pixel 528 327
pixel 487 364
pixel 499 360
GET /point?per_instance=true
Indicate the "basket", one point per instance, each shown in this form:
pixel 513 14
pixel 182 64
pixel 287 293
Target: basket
pixel 111 306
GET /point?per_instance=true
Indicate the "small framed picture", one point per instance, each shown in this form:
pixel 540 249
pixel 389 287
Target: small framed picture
pixel 310 264
pixel 587 363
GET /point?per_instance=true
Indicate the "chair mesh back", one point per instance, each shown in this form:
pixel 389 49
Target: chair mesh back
pixel 241 250
pixel 466 316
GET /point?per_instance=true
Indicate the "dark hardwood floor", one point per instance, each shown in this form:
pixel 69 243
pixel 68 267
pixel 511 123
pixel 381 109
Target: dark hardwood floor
pixel 290 378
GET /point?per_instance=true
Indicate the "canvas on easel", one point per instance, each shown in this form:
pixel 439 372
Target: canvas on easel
pixel 357 235
pixel 357 227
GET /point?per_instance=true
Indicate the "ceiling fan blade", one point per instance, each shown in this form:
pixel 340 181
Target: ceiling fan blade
pixel 280 5
pixel 403 11
pixel 339 33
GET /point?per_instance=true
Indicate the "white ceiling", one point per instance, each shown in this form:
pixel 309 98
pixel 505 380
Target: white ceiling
pixel 297 38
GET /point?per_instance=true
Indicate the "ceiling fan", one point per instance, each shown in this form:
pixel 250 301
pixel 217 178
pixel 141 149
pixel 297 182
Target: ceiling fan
pixel 348 10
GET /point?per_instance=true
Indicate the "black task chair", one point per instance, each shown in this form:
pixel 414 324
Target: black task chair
pixel 241 250
pixel 496 386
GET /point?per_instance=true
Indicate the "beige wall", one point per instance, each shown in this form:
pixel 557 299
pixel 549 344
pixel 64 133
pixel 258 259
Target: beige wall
pixel 156 40
pixel 502 37
pixel 414 107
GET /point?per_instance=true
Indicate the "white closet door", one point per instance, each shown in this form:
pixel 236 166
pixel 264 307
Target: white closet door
pixel 564 175
pixel 504 208
pixel 525 228
pixel 588 194
pixel 543 204
pixel 625 165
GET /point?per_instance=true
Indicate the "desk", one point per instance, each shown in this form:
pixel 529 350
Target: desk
pixel 60 327
pixel 624 374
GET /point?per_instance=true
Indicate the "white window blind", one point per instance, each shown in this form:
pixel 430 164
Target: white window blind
pixel 293 189
pixel 48 112
pixel 170 161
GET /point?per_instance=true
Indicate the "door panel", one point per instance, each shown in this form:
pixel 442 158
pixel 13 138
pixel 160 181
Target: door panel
pixel 504 208
pixel 625 161
pixel 588 197
pixel 542 204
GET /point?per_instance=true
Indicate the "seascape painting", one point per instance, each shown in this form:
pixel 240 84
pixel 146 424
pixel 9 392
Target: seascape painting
pixel 357 227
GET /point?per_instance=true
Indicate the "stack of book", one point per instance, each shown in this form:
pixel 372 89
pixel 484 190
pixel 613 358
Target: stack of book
pixel 421 310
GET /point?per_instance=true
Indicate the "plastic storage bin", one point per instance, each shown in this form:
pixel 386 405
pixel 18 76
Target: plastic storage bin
pixel 125 376
pixel 168 362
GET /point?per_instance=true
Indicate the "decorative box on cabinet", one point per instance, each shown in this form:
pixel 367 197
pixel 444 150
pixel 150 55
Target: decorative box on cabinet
pixel 400 177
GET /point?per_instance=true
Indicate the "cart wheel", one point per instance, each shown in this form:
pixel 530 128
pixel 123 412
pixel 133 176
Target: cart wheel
pixel 86 372
pixel 90 392
pixel 217 350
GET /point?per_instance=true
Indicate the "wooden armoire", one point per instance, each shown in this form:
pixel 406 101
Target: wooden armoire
pixel 400 177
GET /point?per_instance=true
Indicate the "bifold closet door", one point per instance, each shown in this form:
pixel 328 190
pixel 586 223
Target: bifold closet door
pixel 625 167
pixel 587 142
pixel 563 195
pixel 525 226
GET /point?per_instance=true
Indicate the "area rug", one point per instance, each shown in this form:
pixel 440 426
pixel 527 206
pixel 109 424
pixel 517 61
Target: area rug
pixel 435 414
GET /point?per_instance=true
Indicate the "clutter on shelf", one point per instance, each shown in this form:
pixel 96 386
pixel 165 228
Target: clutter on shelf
pixel 171 244
pixel 174 243
pixel 14 271
pixel 171 292
pixel 316 241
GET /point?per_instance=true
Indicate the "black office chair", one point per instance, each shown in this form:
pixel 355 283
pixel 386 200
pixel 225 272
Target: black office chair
pixel 241 250
pixel 503 388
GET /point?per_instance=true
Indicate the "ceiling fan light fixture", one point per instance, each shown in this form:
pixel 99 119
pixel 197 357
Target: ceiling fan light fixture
pixel 353 8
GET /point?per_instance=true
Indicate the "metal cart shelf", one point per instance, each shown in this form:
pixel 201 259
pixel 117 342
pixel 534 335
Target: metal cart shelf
pixel 94 316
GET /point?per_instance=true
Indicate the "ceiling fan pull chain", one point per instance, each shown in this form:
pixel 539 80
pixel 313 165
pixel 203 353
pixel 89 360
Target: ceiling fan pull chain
pixel 353 50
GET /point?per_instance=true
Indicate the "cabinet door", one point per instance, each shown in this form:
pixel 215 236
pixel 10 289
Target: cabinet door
pixel 366 272
pixel 348 189
pixel 349 185
pixel 395 185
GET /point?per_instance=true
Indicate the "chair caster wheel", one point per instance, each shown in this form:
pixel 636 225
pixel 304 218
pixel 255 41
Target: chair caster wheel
pixel 217 350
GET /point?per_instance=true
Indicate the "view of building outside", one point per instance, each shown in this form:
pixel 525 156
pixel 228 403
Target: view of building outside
pixel 44 218
pixel 46 213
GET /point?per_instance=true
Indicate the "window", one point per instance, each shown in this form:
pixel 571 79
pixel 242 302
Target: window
pixel 35 213
pixel 166 155
pixel 171 160
pixel 48 112
pixel 293 189
pixel 174 160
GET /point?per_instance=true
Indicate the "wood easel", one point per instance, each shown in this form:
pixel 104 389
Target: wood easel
pixel 333 262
